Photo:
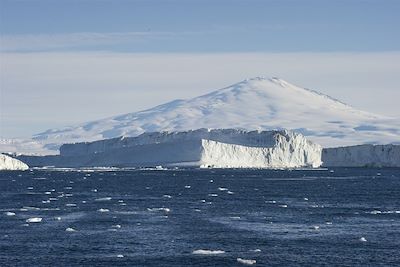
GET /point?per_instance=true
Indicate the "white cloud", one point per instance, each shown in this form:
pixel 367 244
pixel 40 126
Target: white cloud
pixel 46 90
pixel 44 42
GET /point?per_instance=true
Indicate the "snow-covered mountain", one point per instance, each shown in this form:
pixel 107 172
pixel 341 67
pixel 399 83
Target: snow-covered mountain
pixel 253 104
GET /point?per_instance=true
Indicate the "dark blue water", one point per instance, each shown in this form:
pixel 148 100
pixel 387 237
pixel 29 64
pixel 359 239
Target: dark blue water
pixel 350 217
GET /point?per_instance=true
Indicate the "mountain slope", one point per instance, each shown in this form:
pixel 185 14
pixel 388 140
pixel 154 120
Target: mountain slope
pixel 258 103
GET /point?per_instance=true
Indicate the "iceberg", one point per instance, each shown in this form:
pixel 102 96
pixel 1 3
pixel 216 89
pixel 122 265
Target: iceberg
pixel 362 156
pixel 217 148
pixel 10 164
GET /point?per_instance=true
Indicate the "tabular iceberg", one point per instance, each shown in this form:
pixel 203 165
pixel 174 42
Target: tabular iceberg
pixel 223 148
pixel 11 164
pixel 362 156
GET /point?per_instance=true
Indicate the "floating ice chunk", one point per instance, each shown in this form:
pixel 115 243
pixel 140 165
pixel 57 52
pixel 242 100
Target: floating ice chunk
pixel 120 256
pixel 70 229
pixel 187 186
pixel 9 213
pixel 212 195
pixel 328 223
pixel 306 199
pixel 246 262
pixel 94 190
pixel 103 210
pixel 30 188
pixel 70 205
pixel 235 217
pixel 58 218
pixel 255 250
pixel 68 187
pixel 118 226
pixel 167 196
pixel 331 171
pixel 230 192
pixel 34 220
pixel 315 227
pixel 222 189
pixel 283 206
pixel 211 181
pixel 270 201
pixel 47 193
pixel 207 252
pixel 103 199
pixel 363 239
pixel 376 212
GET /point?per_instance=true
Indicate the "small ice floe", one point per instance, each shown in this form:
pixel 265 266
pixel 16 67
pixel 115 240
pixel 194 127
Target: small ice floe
pixel 120 201
pixel 328 223
pixel 68 195
pixel 246 262
pixel 70 205
pixel 331 171
pixel 255 250
pixel 103 199
pixel 53 198
pixel 212 195
pixel 103 210
pixel 283 206
pixel 187 186
pixel 94 190
pixel 230 192
pixel 34 220
pixel 203 201
pixel 159 209
pixel 222 189
pixel 363 239
pixel 376 212
pixel 45 201
pixel 120 256
pixel 235 217
pixel 167 196
pixel 68 187
pixel 198 210
pixel 118 226
pixel 70 229
pixel 270 201
pixel 9 213
pixel 315 227
pixel 58 218
pixel 207 252
pixel 147 188
pixel 47 193
pixel 29 188
pixel 211 181
pixel 378 174
pixel 305 199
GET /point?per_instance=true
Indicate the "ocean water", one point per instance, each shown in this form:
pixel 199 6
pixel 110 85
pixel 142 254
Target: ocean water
pixel 339 217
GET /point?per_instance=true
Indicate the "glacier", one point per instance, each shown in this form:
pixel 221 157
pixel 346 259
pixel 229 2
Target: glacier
pixel 8 163
pixel 253 104
pixel 362 156
pixel 218 148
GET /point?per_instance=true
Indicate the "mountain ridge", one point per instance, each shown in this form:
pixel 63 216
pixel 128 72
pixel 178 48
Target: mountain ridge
pixel 258 103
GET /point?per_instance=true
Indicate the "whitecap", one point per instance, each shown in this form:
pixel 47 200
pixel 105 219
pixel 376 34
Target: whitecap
pixel 70 229
pixel 70 205
pixel 103 199
pixel 363 239
pixel 9 213
pixel 212 195
pixel 159 209
pixel 222 189
pixel 207 252
pixel 246 262
pixel 255 250
pixel 167 196
pixel 187 186
pixel 103 210
pixel 120 256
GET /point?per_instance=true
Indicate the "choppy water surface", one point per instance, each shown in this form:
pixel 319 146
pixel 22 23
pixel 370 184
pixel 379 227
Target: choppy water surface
pixel 345 217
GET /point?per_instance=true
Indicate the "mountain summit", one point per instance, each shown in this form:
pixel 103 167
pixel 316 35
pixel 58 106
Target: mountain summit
pixel 253 104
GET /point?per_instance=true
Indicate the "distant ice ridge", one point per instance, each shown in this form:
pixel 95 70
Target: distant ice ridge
pixel 253 104
pixel 221 148
pixel 362 156
pixel 11 164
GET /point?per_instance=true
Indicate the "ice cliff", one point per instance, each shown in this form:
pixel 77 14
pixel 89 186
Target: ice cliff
pixel 362 156
pixel 225 148
pixel 9 163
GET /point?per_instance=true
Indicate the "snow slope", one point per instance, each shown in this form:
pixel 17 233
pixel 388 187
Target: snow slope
pixel 253 104
pixel 11 164
pixel 223 148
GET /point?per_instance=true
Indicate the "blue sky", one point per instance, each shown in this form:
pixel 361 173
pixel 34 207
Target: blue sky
pixel 66 62
pixel 202 26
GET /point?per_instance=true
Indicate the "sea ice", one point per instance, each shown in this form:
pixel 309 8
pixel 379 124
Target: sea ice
pixel 34 220
pixel 208 252
pixel 246 262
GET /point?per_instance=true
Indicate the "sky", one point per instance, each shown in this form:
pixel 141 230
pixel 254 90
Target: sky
pixel 67 62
